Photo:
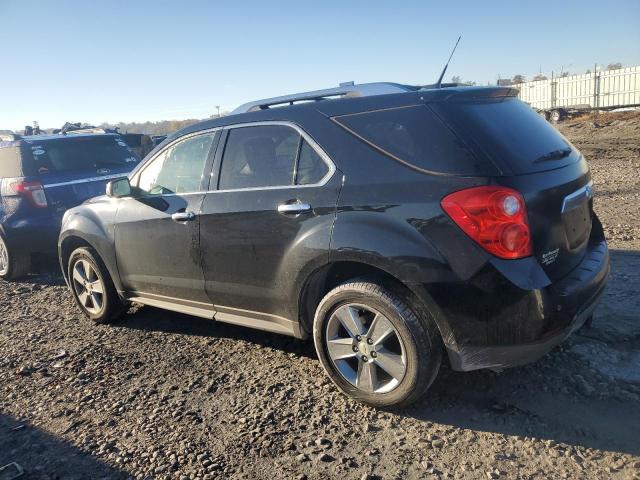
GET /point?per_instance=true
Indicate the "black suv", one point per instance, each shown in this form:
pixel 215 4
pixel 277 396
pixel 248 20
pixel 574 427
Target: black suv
pixel 385 221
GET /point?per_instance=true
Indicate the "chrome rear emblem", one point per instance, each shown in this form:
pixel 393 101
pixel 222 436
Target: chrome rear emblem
pixel 103 171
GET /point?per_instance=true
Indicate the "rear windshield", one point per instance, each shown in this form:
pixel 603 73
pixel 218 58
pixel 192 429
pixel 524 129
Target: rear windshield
pixel 510 133
pixel 81 153
pixel 417 137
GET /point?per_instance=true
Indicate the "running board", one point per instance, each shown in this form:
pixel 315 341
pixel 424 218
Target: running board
pixel 235 316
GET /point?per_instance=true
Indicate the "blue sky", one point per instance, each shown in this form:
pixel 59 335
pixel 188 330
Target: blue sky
pixel 142 60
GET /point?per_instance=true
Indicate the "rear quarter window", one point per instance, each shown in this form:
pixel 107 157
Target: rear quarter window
pixel 416 137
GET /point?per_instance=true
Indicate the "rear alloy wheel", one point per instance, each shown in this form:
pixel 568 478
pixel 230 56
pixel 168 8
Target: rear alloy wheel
pixel 13 265
pixel 365 348
pixel 92 286
pixel 374 347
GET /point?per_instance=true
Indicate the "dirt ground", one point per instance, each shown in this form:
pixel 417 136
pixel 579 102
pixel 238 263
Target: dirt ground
pixel 163 395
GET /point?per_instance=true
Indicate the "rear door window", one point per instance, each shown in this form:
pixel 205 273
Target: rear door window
pixel 415 136
pixel 81 154
pixel 311 168
pixel 510 132
pixel 269 156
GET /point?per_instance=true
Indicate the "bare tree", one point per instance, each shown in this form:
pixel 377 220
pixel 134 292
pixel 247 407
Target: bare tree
pixel 519 79
pixel 540 76
pixel 614 66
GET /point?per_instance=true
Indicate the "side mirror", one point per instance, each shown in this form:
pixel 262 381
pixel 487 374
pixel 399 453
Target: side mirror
pixel 118 188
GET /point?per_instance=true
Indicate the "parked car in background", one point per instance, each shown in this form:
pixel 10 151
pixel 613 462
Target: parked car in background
pixel 384 221
pixel 157 139
pixel 40 178
pixel 140 143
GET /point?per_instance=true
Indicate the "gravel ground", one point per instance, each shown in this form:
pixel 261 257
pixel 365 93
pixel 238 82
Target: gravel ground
pixel 163 395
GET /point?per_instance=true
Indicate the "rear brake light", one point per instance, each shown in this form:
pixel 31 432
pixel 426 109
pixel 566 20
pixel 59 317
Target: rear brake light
pixel 494 217
pixel 33 192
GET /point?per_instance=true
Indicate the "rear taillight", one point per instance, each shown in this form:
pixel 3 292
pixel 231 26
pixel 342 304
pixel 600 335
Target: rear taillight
pixel 33 192
pixel 494 217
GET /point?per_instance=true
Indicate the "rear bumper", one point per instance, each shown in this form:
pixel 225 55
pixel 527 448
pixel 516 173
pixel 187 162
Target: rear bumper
pixel 549 315
pixel 33 235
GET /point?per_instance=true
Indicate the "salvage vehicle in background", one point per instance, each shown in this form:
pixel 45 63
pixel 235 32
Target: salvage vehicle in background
pixel 557 98
pixel 140 143
pixel 157 139
pixel 40 178
pixel 384 221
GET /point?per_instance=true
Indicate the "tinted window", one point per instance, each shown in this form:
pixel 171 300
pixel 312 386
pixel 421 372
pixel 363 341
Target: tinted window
pixel 261 156
pixel 311 168
pixel 80 153
pixel 179 168
pixel 416 136
pixel 508 131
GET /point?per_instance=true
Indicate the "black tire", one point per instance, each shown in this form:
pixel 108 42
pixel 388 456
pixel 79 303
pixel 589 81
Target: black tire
pixel 555 116
pixel 111 307
pixel 18 263
pixel 419 336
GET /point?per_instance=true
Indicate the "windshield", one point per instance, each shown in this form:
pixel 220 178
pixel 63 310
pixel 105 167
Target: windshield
pixel 510 133
pixel 82 153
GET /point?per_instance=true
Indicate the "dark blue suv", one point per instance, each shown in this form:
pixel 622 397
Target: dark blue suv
pixel 40 178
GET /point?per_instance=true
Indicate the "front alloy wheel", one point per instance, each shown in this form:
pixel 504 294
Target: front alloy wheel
pixel 92 287
pixel 88 287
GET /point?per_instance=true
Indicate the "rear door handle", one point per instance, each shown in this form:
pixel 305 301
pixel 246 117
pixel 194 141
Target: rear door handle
pixel 183 216
pixel 294 208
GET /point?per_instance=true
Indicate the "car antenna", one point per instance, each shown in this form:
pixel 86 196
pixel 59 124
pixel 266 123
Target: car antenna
pixel 444 70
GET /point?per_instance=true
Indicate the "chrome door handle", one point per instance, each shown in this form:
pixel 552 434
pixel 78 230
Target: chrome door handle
pixel 294 208
pixel 183 216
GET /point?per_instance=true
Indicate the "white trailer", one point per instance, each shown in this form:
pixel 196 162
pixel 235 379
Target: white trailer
pixel 560 97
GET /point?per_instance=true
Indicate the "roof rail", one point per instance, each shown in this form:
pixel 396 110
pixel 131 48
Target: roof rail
pixel 87 130
pixel 346 89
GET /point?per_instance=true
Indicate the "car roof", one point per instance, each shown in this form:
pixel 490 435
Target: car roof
pixel 346 105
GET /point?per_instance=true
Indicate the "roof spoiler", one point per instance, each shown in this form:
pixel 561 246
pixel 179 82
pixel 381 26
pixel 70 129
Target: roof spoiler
pixel 482 92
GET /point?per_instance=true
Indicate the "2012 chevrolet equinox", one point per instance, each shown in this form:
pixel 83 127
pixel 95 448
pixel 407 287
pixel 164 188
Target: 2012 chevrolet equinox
pixel 390 223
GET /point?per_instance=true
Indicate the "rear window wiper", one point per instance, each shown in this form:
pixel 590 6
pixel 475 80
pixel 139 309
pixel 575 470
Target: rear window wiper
pixel 554 155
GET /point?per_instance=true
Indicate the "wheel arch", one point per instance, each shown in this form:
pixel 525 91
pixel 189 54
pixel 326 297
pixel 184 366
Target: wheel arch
pixel 329 276
pixel 66 247
pixel 73 239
